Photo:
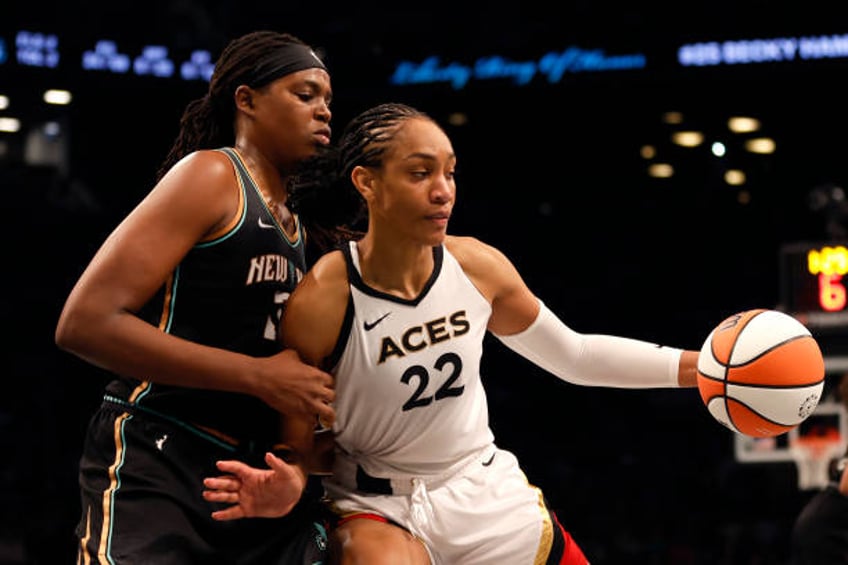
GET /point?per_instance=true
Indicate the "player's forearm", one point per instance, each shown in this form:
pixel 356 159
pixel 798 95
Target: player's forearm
pixel 130 347
pixel 687 371
pixel 599 360
pixel 300 445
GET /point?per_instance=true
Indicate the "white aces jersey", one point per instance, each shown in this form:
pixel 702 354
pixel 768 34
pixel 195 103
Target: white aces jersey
pixel 409 399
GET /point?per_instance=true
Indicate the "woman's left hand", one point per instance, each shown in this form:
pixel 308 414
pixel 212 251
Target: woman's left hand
pixel 255 493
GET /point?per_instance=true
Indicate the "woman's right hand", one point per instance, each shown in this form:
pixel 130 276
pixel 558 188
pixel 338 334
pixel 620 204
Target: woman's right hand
pixel 298 389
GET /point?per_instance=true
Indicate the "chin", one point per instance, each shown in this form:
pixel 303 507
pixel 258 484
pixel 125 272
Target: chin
pixel 437 239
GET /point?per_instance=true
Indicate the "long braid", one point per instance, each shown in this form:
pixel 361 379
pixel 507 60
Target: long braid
pixel 326 203
pixel 207 122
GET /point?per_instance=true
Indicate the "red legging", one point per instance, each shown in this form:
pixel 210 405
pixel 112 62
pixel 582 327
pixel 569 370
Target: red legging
pixel 571 554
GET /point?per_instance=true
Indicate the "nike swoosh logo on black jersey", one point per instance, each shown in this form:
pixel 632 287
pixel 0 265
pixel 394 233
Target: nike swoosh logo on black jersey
pixel 368 327
pixel 264 225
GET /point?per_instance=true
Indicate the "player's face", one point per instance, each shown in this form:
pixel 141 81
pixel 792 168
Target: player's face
pixel 293 112
pixel 415 192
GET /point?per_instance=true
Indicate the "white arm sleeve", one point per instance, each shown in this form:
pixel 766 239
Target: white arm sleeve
pixel 594 360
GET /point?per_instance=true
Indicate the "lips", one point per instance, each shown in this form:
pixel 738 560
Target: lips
pixel 440 218
pixel 323 136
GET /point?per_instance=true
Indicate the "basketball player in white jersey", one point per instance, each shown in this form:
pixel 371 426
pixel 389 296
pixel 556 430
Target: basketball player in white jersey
pixel 399 318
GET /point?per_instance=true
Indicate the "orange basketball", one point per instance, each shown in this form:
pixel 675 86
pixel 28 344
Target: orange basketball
pixel 760 373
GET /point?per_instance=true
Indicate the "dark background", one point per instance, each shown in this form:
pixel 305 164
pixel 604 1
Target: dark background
pixel 549 173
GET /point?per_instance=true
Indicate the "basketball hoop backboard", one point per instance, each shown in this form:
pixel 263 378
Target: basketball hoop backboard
pixel 812 445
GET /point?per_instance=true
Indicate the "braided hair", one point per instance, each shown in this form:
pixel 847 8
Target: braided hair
pixel 322 193
pixel 207 122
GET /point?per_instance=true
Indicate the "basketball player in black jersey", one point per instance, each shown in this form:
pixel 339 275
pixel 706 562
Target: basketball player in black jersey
pixel 181 303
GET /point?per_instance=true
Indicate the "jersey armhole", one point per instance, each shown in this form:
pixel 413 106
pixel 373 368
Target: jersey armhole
pixel 241 209
pixel 344 334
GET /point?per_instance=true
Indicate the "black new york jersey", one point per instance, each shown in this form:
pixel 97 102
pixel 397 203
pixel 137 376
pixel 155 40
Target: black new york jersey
pixel 228 292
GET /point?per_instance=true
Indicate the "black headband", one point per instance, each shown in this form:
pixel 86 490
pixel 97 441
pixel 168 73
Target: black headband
pixel 284 61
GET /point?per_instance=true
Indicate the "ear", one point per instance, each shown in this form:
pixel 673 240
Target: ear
pixel 244 98
pixel 363 179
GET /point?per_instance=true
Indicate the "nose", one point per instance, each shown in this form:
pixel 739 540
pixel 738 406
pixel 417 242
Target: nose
pixel 443 189
pixel 324 114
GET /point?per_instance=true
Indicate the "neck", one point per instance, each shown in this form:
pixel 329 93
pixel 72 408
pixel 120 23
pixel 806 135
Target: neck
pixel 271 184
pixel 270 180
pixel 400 270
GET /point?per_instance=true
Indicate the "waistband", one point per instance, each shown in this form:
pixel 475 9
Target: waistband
pixel 350 474
pixel 211 435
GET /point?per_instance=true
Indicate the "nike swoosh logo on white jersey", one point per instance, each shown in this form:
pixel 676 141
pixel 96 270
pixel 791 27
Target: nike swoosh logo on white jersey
pixel 368 327
pixel 264 225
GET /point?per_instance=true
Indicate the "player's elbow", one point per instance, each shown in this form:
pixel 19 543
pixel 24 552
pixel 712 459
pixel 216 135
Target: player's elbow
pixel 71 330
pixel 64 334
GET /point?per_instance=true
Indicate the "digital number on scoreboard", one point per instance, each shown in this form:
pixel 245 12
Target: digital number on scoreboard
pixel 814 277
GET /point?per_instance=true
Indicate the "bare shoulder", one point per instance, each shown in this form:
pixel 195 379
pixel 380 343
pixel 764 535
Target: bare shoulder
pixel 314 314
pixel 330 268
pixel 487 267
pixel 474 255
pixel 201 189
pixel 205 167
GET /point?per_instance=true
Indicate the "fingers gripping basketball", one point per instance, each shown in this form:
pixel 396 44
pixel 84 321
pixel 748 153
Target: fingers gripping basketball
pixel 760 373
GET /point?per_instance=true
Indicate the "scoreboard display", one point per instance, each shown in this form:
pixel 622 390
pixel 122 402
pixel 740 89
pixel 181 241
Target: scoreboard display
pixel 814 289
pixel 814 277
